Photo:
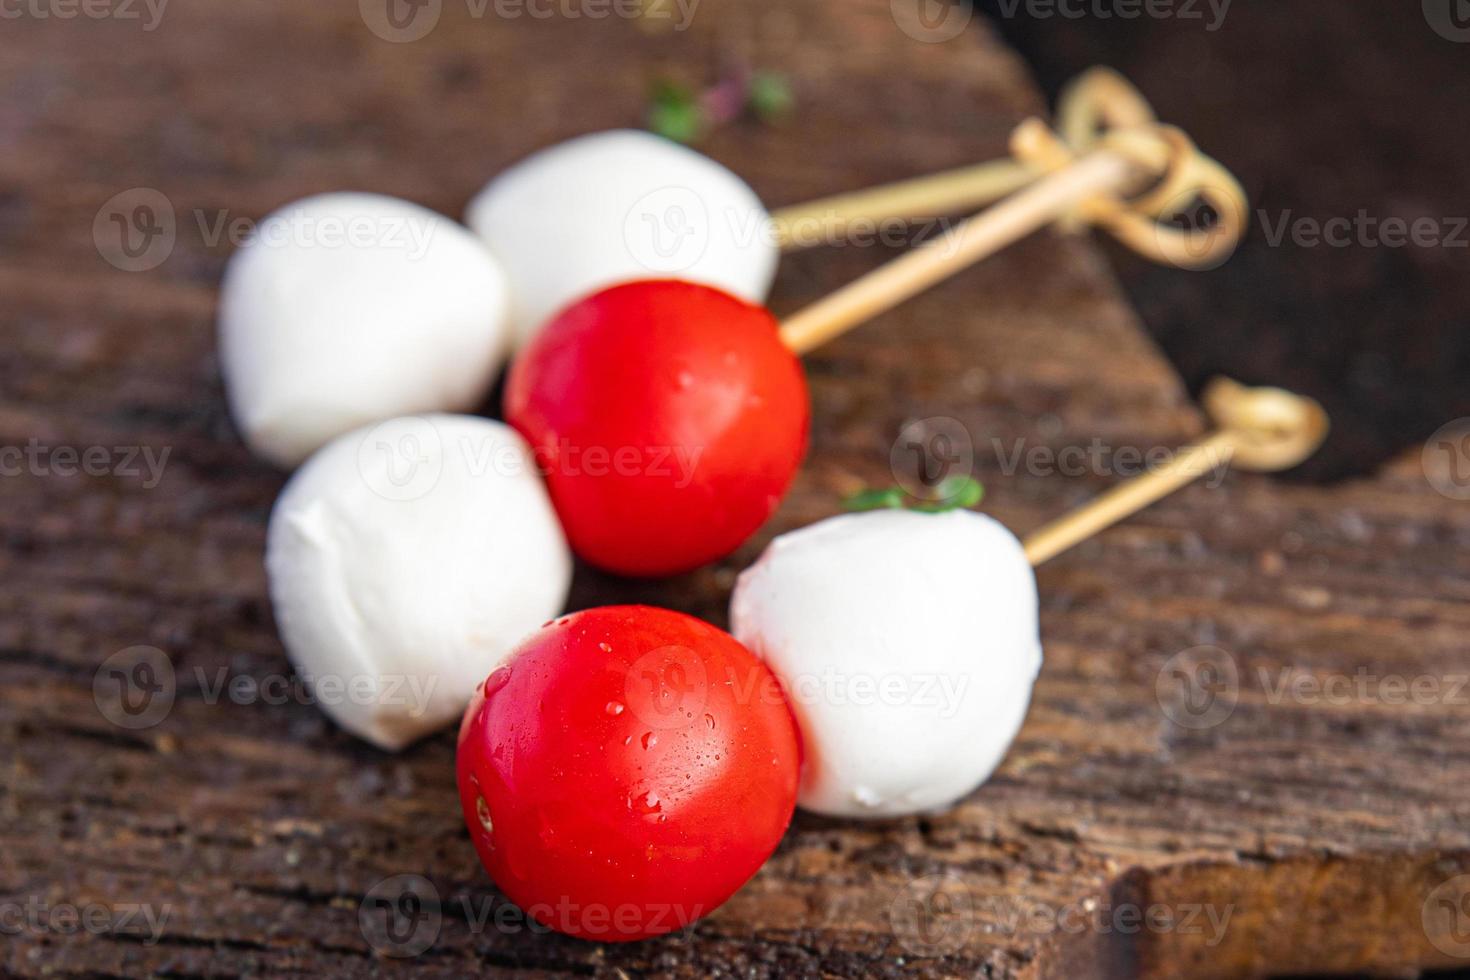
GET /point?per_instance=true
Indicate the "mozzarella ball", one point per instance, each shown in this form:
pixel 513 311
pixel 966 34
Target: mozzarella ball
pixel 406 560
pixel 907 644
pixel 608 207
pixel 352 308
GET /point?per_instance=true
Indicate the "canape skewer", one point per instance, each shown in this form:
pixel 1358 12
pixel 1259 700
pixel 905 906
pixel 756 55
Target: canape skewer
pixel 1099 101
pixel 1085 189
pixel 1257 429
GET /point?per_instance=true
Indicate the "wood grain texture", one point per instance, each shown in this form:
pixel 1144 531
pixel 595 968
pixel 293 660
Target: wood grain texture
pixel 1321 827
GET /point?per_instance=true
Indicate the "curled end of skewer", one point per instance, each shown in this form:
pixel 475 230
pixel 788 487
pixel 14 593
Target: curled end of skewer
pixel 1099 98
pixel 1273 429
pixel 1102 110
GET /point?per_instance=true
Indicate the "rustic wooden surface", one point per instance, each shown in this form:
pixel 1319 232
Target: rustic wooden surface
pixel 1322 829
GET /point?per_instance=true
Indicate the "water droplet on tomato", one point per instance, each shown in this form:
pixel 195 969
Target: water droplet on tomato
pixel 614 708
pixel 482 812
pixel 545 828
pixel 499 677
pixel 646 803
pixel 709 721
pixel 649 740
pixel 605 647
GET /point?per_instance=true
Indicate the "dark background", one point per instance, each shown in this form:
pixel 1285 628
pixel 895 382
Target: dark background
pixel 1323 110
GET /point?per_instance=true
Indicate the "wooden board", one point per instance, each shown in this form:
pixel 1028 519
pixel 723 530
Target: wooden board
pixel 1297 834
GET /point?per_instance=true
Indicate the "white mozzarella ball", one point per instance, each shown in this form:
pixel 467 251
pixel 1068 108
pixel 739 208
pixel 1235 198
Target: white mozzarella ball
pixel 406 560
pixel 613 206
pixel 908 645
pixel 346 309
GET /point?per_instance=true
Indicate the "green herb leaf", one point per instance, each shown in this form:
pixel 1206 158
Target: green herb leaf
pixel 674 113
pixel 770 96
pixel 890 498
pixel 954 493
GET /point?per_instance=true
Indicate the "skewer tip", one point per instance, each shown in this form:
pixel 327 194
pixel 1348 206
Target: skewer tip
pixel 1274 429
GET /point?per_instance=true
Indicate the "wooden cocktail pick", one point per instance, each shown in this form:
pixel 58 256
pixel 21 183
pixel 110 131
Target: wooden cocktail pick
pixel 1157 164
pixel 1097 103
pixel 1257 429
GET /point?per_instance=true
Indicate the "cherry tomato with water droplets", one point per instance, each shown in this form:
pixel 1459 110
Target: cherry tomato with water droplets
pixel 626 771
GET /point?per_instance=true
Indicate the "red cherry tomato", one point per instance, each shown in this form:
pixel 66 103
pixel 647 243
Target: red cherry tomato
pixel 626 771
pixel 670 419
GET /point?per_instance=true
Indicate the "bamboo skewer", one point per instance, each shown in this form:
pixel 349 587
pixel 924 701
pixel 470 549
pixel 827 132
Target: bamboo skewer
pixel 1078 190
pixel 1110 143
pixel 951 192
pixel 1097 97
pixel 972 240
pixel 1259 429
